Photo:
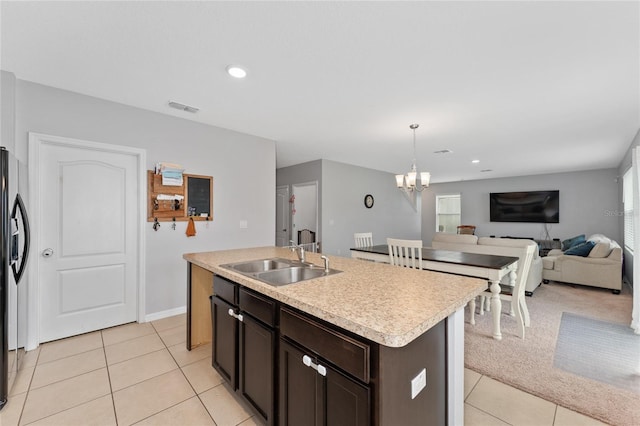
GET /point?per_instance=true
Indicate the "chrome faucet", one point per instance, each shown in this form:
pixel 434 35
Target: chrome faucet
pixel 298 249
pixel 326 263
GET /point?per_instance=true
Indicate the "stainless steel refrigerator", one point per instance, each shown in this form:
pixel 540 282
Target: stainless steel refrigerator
pixel 14 236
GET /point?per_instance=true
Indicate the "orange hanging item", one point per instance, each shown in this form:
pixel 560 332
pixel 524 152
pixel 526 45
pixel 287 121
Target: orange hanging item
pixel 191 228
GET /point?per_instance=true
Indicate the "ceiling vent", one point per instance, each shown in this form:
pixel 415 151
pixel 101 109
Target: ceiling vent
pixel 183 107
pixel 443 151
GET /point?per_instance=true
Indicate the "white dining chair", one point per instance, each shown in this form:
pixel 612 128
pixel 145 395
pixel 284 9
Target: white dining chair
pixel 405 253
pixel 513 292
pixel 363 239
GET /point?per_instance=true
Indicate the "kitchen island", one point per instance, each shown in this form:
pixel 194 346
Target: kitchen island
pixel 393 323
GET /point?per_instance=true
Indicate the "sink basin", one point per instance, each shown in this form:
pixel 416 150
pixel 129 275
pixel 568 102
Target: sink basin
pixel 277 271
pixel 291 275
pixel 259 265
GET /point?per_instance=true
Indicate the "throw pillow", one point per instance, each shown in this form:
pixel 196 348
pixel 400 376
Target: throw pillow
pixel 600 250
pixel 567 244
pixel 581 249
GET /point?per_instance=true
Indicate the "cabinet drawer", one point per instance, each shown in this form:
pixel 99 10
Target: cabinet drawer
pixel 258 306
pixel 225 289
pixel 343 351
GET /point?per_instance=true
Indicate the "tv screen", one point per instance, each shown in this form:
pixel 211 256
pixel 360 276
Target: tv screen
pixel 530 206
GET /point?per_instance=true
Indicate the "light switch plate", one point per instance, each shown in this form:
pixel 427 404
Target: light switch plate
pixel 244 224
pixel 418 383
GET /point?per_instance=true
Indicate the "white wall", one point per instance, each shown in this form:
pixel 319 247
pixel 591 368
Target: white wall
pixel 243 168
pixel 587 200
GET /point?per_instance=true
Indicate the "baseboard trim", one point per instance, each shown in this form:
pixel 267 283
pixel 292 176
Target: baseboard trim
pixel 165 314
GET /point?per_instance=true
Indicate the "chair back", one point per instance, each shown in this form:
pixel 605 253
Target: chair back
pixel 405 253
pixel 467 229
pixel 524 249
pixel 307 239
pixel 363 239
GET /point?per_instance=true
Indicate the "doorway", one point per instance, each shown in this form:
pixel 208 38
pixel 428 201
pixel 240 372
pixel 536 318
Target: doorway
pixel 304 214
pixel 87 201
pixel 282 216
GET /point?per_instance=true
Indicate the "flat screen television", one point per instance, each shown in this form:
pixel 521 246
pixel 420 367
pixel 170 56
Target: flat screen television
pixel 529 206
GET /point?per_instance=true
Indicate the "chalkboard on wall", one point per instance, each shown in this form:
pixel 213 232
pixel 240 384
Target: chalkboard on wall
pixel 199 196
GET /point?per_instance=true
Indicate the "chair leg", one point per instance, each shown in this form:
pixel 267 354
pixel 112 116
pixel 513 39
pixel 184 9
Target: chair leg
pixel 482 299
pixel 525 312
pixel 520 322
pixel 511 310
pixel 472 310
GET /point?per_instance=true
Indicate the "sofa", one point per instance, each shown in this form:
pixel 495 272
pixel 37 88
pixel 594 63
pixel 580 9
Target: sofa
pixel 597 266
pixel 488 245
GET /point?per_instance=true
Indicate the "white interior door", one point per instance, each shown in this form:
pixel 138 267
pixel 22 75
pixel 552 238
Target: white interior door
pixel 88 239
pixel 282 216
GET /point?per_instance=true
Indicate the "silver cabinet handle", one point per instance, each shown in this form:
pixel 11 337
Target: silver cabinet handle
pixel 48 252
pixel 239 317
pixel 306 360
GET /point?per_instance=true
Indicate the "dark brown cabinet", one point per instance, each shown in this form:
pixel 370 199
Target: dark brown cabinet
pixel 318 394
pixel 319 385
pixel 225 340
pixel 295 369
pixel 244 343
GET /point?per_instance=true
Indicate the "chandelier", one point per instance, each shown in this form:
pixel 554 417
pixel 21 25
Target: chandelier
pixel 408 182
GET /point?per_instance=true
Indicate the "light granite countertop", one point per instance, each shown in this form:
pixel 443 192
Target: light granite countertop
pixel 383 303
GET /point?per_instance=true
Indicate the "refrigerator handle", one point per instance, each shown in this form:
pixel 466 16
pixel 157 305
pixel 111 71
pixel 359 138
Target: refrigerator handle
pixel 18 204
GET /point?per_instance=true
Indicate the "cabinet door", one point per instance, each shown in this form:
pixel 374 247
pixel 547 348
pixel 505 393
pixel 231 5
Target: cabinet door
pixel 225 341
pixel 347 401
pixel 300 389
pixel 256 370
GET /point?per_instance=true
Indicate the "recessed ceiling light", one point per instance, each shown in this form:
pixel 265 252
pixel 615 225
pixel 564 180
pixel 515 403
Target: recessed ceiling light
pixel 236 71
pixel 475 161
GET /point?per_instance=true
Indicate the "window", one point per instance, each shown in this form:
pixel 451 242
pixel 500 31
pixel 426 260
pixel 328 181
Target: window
pixel 447 213
pixel 627 201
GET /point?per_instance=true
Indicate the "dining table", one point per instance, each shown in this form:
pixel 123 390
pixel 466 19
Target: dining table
pixel 490 267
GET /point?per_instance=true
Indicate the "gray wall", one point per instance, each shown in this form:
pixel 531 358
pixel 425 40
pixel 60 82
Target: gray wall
pixel 625 164
pixel 342 213
pixel 242 166
pixel 585 199
pixel 303 173
pixel 7 110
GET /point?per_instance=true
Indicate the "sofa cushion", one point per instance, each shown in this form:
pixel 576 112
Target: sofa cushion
pixel 548 262
pixel 442 237
pixel 570 242
pixel 581 249
pixel 600 250
pixel 599 238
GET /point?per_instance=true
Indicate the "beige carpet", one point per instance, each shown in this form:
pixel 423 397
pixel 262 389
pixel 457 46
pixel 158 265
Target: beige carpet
pixel 528 364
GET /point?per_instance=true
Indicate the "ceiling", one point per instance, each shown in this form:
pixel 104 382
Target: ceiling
pixel 524 87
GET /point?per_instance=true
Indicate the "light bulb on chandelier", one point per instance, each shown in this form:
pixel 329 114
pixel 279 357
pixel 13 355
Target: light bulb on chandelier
pixel 408 182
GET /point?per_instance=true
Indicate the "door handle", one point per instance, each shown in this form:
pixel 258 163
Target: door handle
pixel 48 252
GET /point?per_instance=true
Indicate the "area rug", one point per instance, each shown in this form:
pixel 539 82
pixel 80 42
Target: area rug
pixel 599 350
pixel 529 364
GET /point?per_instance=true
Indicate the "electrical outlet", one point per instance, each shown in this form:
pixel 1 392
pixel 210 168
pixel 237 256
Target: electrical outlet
pixel 418 383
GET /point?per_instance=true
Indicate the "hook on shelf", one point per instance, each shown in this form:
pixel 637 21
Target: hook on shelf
pixel 156 224
pixel 173 225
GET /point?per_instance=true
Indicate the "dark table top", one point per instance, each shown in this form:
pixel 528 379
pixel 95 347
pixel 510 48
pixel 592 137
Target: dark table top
pixel 457 257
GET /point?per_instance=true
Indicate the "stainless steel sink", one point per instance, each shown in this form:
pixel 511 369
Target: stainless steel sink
pixel 260 265
pixel 277 271
pixel 292 275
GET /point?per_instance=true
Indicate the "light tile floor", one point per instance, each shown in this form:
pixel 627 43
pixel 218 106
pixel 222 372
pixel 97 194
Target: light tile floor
pixel 142 374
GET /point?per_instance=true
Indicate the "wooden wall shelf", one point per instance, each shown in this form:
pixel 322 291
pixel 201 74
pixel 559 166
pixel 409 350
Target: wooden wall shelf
pixel 197 191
